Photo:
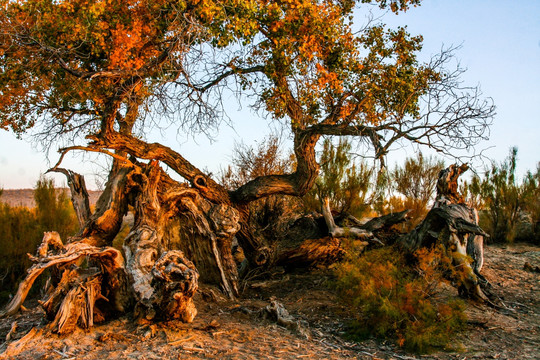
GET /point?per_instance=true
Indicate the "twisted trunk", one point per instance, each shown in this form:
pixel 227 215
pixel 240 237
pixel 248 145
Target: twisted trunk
pixel 176 232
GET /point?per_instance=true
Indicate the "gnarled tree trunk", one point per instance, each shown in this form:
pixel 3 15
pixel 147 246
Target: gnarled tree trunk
pixel 176 232
pixel 173 223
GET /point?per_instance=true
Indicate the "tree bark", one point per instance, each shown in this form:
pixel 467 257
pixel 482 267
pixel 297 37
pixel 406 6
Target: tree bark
pixel 103 225
pixel 155 248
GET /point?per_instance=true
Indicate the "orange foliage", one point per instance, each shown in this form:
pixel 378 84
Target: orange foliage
pixel 85 59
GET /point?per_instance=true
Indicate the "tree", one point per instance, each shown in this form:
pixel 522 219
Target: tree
pixel 95 75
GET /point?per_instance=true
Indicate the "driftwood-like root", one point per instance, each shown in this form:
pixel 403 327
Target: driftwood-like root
pixel 78 306
pixel 86 272
pixel 337 231
pixel 455 226
pixel 176 281
pixel 163 287
pixel 313 252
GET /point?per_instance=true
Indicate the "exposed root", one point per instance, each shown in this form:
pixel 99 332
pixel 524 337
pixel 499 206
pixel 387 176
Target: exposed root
pixel 73 299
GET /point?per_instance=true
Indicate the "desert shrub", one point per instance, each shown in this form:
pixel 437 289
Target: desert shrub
pixel 394 297
pixel 19 235
pixel 54 210
pixel 503 199
pixel 348 184
pixel 416 180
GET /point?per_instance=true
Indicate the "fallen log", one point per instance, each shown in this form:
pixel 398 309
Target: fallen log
pixel 313 241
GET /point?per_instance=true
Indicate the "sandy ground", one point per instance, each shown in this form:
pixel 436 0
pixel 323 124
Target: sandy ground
pixel 237 330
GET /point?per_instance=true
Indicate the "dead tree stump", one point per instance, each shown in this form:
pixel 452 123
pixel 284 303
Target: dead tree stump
pixel 453 224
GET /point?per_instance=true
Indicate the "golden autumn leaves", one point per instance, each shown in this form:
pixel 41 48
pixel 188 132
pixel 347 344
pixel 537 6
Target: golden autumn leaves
pixel 82 60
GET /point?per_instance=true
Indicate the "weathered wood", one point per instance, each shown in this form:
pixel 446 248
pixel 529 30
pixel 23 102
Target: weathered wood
pixel 255 249
pixel 276 312
pixel 103 225
pixel 157 278
pixel 176 281
pixel 447 185
pixel 77 307
pixel 174 223
pixel 455 217
pixel 16 347
pixel 312 252
pixel 337 231
pixel 76 282
pixel 206 236
pixel 475 247
pixel 451 223
pixel 385 221
pixel 259 253
pixel 79 194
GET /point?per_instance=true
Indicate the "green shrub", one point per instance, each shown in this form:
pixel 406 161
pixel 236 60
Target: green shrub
pixel 348 184
pixel 54 210
pixel 395 299
pixel 503 199
pixel 417 181
pixel 19 235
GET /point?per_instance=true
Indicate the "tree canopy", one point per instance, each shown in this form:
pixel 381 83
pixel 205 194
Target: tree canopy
pixel 104 69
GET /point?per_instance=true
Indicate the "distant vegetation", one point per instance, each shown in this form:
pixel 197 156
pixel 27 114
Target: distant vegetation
pixel 510 209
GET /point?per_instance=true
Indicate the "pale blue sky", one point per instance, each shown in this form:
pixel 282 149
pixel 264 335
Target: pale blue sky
pixel 500 48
